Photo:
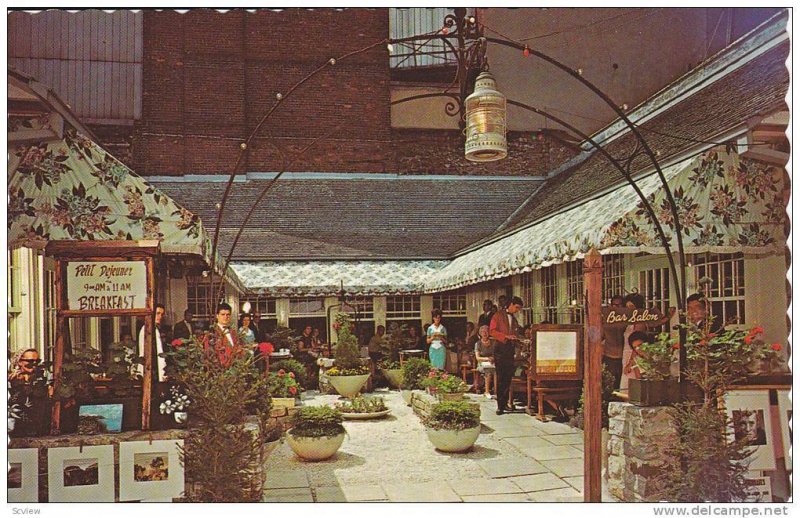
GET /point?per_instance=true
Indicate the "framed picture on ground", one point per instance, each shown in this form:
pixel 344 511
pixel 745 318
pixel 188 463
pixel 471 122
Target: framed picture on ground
pixel 94 419
pixel 785 410
pixel 749 411
pixel 556 352
pixel 150 471
pixel 84 474
pixel 23 475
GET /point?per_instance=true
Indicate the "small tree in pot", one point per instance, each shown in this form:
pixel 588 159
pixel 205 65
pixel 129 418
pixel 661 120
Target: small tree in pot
pixel 349 374
pixel 453 426
pixel 316 433
pixel 414 371
pixel 395 341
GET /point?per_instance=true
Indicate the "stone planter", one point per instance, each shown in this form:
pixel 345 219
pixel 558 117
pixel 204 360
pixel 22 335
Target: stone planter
pixel 451 396
pixel 315 448
pixel 283 402
pixel 348 386
pixel 649 393
pixel 453 441
pixel 365 416
pixel 394 377
pixel 406 395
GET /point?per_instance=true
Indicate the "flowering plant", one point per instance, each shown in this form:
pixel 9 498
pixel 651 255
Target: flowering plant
pixel 356 371
pixel 178 402
pixel 283 384
pixel 654 359
pixel 265 348
pixel 444 383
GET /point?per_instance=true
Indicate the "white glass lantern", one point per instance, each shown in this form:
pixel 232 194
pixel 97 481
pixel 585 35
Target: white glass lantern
pixel 486 122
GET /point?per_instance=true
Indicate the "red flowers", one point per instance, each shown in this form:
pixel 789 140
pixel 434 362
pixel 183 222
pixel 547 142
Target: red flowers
pixel 676 346
pixel 293 390
pixel 703 343
pixel 748 339
pixel 291 375
pixel 776 347
pixel 281 373
pixel 711 335
pixel 756 330
pixel 265 348
pixel 177 342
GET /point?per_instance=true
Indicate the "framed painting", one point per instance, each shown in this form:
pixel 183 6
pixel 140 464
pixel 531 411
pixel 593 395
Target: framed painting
pixel 150 471
pixel 556 352
pixel 94 419
pixel 785 411
pixel 750 416
pixel 84 474
pixel 23 475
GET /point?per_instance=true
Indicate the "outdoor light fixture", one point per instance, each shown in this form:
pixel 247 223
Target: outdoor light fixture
pixel 246 307
pixel 486 122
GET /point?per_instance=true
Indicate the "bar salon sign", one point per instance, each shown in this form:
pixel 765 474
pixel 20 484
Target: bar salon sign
pixel 106 285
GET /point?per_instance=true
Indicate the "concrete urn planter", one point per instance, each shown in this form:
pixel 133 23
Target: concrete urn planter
pixel 348 386
pixel 394 377
pixel 453 441
pixel 315 448
pixel 406 395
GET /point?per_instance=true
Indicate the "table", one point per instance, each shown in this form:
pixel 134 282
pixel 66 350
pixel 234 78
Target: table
pixel 411 353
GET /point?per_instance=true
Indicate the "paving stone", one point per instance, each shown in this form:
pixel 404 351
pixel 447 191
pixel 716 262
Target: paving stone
pixel 568 439
pixel 566 494
pixel 554 428
pixel 554 452
pixel 511 497
pixel 515 432
pixel 526 444
pixel 576 482
pixel 288 495
pixel 565 467
pixel 510 467
pixel 286 479
pixel 364 493
pixel 540 482
pixel 421 492
pixel 472 487
pixel 327 494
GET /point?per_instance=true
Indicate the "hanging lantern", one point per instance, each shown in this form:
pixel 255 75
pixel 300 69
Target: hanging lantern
pixel 486 122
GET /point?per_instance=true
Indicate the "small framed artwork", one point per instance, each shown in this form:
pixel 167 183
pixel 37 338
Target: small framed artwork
pixel 94 419
pixel 150 472
pixel 556 352
pixel 749 411
pixel 785 410
pixel 760 486
pixel 81 474
pixel 23 475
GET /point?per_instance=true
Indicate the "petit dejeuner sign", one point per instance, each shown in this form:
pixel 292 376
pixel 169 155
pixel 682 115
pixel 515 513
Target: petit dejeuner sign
pixel 106 285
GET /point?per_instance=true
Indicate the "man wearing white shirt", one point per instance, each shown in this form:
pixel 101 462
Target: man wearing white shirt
pixel 159 362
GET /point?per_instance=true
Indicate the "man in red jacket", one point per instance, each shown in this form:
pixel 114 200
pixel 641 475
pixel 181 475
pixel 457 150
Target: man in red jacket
pixel 504 329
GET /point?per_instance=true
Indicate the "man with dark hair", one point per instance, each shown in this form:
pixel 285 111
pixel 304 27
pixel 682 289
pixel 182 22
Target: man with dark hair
pixel 159 362
pixel 223 340
pixel 636 339
pixel 486 317
pixel 504 328
pixel 697 313
pixel 183 329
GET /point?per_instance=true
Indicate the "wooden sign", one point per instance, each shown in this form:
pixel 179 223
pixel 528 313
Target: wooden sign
pixel 108 286
pixel 556 352
pixel 623 317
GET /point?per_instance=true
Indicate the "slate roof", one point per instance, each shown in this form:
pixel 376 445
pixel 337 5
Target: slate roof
pixel 756 88
pixel 351 217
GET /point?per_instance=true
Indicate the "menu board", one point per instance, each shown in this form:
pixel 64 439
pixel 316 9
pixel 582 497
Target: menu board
pixel 106 285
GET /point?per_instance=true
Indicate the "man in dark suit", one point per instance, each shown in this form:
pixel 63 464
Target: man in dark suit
pixel 697 314
pixel 504 329
pixel 183 329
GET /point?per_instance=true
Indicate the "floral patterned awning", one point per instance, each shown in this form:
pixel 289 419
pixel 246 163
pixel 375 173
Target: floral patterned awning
pixel 72 189
pixel 321 279
pixel 726 204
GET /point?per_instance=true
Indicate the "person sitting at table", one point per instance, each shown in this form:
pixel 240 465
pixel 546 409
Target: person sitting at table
pixel 484 356
pixel 415 341
pixel 437 340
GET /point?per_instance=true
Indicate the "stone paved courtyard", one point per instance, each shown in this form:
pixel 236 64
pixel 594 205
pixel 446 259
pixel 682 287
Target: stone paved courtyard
pixel 517 458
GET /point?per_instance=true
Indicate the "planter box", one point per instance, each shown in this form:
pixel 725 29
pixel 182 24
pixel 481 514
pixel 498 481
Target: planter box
pixel 651 393
pixel 283 402
pixel 455 396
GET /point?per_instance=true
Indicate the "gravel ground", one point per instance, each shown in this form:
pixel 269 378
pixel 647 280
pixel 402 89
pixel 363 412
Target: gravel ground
pixel 392 449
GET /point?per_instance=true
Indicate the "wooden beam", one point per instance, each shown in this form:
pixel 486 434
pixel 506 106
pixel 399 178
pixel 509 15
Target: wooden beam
pixel 58 353
pixel 593 382
pixel 103 249
pixel 147 382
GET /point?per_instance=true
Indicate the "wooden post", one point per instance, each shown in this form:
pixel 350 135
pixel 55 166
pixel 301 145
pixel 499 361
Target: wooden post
pixel 592 385
pixel 147 380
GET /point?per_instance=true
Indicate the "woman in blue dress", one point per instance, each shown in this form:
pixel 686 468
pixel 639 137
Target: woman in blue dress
pixel 437 338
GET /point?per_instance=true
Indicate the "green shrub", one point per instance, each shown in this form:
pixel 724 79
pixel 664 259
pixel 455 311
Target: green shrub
pixel 348 354
pixel 414 371
pixel 293 366
pixel 317 421
pixel 453 415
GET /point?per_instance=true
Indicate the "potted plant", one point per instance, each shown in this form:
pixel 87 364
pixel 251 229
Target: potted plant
pixel 395 341
pixel 294 367
pixel 284 388
pixel 453 426
pixel 363 407
pixel 414 370
pixel 316 432
pixel 654 387
pixel 444 386
pixel 177 405
pixel 349 374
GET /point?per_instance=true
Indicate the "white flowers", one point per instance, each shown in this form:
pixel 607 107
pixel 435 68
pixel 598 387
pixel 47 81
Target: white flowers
pixel 178 403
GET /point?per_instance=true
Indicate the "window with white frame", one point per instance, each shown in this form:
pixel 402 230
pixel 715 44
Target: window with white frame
pixel 198 297
pixel 14 303
pixel 654 287
pixel 527 296
pixel 402 307
pixel 264 306
pixel 726 291
pixel 613 276
pixel 452 303
pixel 307 307
pixel 417 21
pixel 549 294
pixel 365 307
pixel 575 291
pixel 79 332
pixel 50 312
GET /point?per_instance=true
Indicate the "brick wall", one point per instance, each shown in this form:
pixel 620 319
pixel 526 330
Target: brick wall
pixel 209 77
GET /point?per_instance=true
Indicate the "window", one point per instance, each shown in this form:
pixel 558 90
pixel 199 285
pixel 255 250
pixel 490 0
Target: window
pixel 654 287
pixel 199 298
pixel 14 282
pixel 527 297
pixel 264 306
pixel 613 276
pixel 414 22
pixel 307 307
pixel 726 291
pixel 402 307
pixel 575 291
pixel 365 307
pixel 452 303
pixel 549 294
pixel 50 316
pixel 80 330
